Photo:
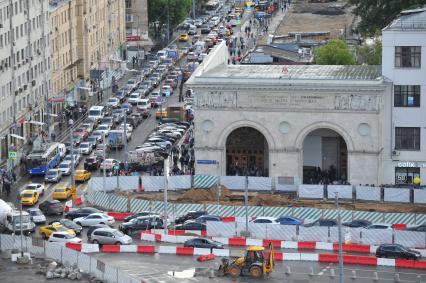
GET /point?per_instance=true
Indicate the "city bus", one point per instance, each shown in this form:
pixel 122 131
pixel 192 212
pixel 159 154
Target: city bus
pixel 212 7
pixel 39 161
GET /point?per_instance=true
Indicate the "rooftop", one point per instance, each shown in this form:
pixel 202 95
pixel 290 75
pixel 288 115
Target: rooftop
pixel 409 20
pixel 298 72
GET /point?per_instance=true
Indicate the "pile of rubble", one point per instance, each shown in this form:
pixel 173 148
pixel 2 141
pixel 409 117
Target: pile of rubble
pixel 57 271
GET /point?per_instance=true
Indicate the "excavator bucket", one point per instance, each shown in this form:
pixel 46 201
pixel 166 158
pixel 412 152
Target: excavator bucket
pixel 270 263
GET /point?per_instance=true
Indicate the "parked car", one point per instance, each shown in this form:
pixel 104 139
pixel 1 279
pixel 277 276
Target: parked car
pixel 357 223
pixel 203 243
pixel 322 222
pixel 37 216
pixel 92 228
pixel 289 220
pixel 189 216
pixel 190 225
pixel 53 175
pixel 379 226
pixel 63 237
pixel 61 193
pixel 69 224
pixel 51 207
pixel 419 228
pixel 113 102
pixel 93 219
pixel 39 188
pixel 205 218
pixel 265 220
pixel 139 214
pixel 141 223
pixel 92 162
pixel 110 236
pixel 46 231
pixel 81 212
pixel 108 164
pixel 65 167
pixel 28 197
pixel 397 251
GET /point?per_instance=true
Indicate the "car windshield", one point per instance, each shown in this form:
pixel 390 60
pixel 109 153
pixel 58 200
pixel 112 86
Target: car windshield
pixel 103 127
pixel 112 100
pixel 84 145
pixel 51 173
pixel 64 166
pixel 60 190
pixel 94 112
pixel 31 187
pixel 68 236
pixel 134 96
pixel 35 212
pixel 27 195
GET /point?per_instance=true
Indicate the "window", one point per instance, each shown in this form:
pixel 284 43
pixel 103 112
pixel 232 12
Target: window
pixel 407 138
pixel 407 96
pixel 408 56
pixel 406 175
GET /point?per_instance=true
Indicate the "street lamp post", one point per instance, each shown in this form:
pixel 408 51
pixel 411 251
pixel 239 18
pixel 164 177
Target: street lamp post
pixel 72 180
pixel 339 219
pixel 166 184
pixel 246 204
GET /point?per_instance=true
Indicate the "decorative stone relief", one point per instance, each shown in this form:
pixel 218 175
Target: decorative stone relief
pixel 284 127
pixel 364 129
pixel 357 102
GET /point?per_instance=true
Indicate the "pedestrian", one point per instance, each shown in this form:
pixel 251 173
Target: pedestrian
pixel 239 53
pixel 182 160
pixel 282 8
pixel 175 160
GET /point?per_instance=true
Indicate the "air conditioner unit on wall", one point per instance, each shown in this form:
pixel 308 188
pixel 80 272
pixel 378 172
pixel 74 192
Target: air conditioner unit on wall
pixel 395 153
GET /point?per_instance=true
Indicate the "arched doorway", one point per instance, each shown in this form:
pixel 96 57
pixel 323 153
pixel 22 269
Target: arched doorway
pixel 247 153
pixel 325 157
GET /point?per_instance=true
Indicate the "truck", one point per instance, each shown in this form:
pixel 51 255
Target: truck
pixel 116 138
pixel 10 220
pixel 176 111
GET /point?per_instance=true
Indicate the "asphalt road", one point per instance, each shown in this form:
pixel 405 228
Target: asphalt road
pixel 160 268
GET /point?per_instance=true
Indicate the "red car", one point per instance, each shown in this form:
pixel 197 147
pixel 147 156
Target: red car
pixel 82 132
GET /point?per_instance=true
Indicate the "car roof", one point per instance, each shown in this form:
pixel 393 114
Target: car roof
pixel 34 184
pixel 98 213
pixel 33 209
pixel 28 192
pixel 61 232
pixel 106 229
pixel 266 218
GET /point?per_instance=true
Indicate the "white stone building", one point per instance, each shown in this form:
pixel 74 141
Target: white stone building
pixel 404 63
pixel 24 69
pixel 303 123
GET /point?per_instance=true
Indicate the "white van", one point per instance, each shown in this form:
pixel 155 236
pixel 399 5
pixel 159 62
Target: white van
pixel 96 113
pixel 199 47
pixel 143 104
pixel 162 54
pixel 62 150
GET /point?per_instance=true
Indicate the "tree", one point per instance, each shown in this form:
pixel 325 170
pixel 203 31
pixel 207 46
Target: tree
pixel 161 10
pixel 335 52
pixel 370 54
pixel 376 14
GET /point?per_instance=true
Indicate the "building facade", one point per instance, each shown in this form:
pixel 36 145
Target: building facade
pixel 306 124
pixel 137 26
pixel 404 63
pixel 63 47
pixel 24 71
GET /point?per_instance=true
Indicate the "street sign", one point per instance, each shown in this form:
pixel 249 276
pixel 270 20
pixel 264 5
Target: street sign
pixel 12 155
pixel 207 162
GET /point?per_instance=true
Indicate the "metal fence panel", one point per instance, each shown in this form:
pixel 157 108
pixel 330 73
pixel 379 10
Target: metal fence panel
pixel 344 192
pixel 260 183
pixel 220 229
pixel 356 235
pixel 307 213
pixel 281 232
pixel 311 191
pixel 233 182
pixel 397 195
pixel 84 262
pixel 138 205
pixel 376 236
pixel 153 183
pixel 393 218
pixel 419 196
pixel 204 181
pixel 179 182
pixel 370 216
pixel 69 257
pixel 410 239
pixel 318 234
pixel 110 274
pixel 367 193
pixel 334 214
pixel 257 230
pixel 53 251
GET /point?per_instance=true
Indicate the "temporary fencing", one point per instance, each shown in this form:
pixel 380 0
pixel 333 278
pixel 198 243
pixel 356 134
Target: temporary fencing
pixel 367 193
pixel 344 192
pixel 397 195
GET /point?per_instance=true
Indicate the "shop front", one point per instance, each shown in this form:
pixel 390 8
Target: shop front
pixel 407 171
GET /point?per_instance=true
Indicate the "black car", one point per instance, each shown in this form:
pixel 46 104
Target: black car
pixel 205 29
pixel 205 218
pixel 92 163
pixel 141 223
pixel 135 119
pixel 90 229
pixel 69 224
pixel 203 243
pixel 81 212
pixel 419 228
pixel 397 251
pixel 67 147
pixel 190 216
pixel 357 223
pixel 322 222
pixel 190 225
pixel 51 207
pixel 140 214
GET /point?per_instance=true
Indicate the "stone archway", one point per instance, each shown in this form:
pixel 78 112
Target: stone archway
pixel 247 153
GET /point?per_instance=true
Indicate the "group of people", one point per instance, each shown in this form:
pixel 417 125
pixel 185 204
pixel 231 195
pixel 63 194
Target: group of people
pixel 183 158
pixel 252 170
pixel 6 180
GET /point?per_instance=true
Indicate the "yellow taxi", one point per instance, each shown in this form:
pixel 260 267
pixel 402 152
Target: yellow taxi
pixel 29 197
pixel 229 32
pixel 82 175
pixel 161 114
pixel 61 193
pixel 46 231
pixel 184 37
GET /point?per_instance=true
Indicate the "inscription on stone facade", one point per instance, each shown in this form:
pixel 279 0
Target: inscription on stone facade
pixel 357 102
pixel 216 99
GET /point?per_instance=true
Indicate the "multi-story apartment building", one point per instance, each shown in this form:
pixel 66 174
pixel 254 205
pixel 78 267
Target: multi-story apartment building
pixel 138 40
pixel 404 63
pixel 63 48
pixel 24 70
pixel 101 34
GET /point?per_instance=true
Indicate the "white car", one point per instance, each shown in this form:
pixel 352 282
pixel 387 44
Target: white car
pixel 63 237
pixel 113 102
pixel 134 98
pixel 65 167
pixel 94 219
pixel 191 56
pixel 132 84
pixel 104 129
pixel 37 216
pixel 129 128
pixel 379 226
pixel 169 132
pixel 267 220
pixel 39 188
pixel 108 163
pixel 86 148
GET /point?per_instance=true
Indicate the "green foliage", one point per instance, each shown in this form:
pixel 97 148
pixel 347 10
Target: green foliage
pixel 178 11
pixel 370 54
pixel 335 52
pixel 376 14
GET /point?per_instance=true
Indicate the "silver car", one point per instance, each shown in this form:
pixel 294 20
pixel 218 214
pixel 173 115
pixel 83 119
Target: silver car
pixel 110 236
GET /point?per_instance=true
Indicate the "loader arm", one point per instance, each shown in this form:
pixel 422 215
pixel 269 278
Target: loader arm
pixel 270 262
